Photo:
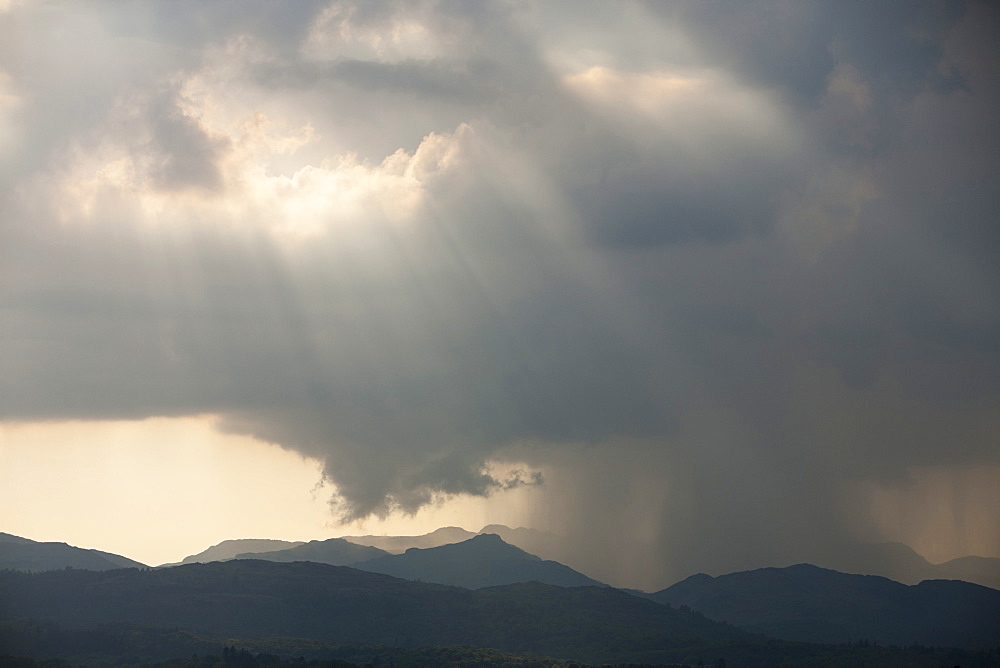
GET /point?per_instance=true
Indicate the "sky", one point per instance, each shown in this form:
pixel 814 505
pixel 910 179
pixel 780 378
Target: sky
pixel 699 286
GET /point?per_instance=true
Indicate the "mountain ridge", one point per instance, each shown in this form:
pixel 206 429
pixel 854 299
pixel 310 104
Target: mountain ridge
pixel 24 554
pixel 399 544
pixel 808 603
pixel 896 561
pixel 484 560
pixel 332 551
pixel 900 562
pixel 253 598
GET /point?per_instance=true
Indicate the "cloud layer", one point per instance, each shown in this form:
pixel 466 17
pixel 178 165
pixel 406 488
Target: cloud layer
pixel 703 268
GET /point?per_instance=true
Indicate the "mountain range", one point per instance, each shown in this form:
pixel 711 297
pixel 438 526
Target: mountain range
pixel 485 592
pixel 484 560
pixel 131 616
pixel 891 560
pixel 895 561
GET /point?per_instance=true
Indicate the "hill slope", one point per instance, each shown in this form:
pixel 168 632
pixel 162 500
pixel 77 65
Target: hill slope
pixel 338 604
pixel 23 554
pixel 482 561
pixel 813 604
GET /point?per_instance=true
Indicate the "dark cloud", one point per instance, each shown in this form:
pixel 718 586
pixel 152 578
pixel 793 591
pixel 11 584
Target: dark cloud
pixel 856 353
pixel 193 25
pixel 795 47
pixel 645 202
pixel 705 284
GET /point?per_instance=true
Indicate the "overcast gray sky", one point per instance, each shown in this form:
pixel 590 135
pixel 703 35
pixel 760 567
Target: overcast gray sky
pixel 717 280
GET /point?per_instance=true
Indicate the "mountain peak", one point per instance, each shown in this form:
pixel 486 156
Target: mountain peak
pixel 481 561
pixel 488 538
pixel 488 546
pixel 495 528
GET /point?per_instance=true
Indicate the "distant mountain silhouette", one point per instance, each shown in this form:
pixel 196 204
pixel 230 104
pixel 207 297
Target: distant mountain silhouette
pixel 812 604
pixel 901 563
pixel 333 551
pixel 400 544
pixel 981 570
pixel 228 549
pixel 484 560
pixel 542 543
pixel 247 599
pixel 895 561
pixel 23 554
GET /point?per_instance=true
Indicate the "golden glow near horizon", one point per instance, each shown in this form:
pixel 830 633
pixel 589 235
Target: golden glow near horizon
pixel 153 490
pixel 159 489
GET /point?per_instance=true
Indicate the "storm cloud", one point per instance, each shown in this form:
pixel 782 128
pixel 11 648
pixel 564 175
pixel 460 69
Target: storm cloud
pixel 697 270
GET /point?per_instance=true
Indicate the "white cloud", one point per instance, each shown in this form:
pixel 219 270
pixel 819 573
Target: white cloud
pixel 354 30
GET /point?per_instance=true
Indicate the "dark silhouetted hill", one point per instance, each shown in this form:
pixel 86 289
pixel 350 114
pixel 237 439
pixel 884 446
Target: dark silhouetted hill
pixel 333 551
pixel 812 604
pixel 540 543
pixel 23 554
pixel 482 561
pixel 251 598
